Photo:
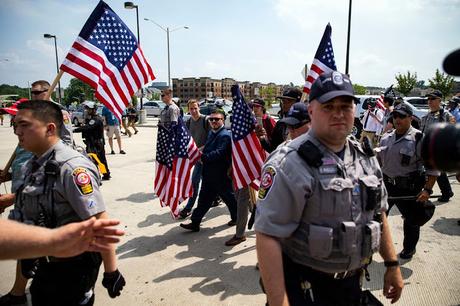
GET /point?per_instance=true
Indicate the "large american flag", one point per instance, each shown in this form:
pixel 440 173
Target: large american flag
pixel 107 57
pixel 324 60
pixel 176 155
pixel 248 156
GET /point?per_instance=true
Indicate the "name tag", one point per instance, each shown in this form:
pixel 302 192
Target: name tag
pixel 328 169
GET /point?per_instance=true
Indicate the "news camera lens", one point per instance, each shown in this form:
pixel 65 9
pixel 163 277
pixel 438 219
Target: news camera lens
pixel 441 147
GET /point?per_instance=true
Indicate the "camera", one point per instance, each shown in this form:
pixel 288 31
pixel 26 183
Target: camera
pixel 441 147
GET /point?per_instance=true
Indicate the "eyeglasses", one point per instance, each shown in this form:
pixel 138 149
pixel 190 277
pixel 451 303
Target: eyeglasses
pixel 214 119
pixel 397 115
pixel 38 92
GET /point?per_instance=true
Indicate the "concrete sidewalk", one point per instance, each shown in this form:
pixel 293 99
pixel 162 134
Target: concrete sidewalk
pixel 165 265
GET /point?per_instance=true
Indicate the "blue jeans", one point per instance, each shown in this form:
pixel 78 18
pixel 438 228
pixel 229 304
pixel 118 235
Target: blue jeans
pixel 196 178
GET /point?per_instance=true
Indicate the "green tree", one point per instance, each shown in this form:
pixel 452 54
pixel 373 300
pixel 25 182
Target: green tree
pixel 78 91
pixel 6 89
pixel 442 82
pixel 406 82
pixel 359 89
pixel 268 94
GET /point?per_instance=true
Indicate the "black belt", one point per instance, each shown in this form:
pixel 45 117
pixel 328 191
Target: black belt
pixel 401 181
pixel 373 132
pixel 339 275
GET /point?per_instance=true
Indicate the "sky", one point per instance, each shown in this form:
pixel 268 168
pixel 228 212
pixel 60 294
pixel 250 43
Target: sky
pixel 247 40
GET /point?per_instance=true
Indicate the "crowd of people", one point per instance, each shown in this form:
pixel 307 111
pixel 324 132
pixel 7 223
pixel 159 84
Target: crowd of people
pixel 336 192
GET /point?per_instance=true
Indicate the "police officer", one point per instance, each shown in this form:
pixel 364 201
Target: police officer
pixel 438 114
pixel 320 213
pixel 93 134
pixel 60 186
pixel 404 174
pixel 280 132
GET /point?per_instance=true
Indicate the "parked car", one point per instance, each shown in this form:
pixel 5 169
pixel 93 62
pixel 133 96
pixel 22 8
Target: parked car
pixel 153 108
pixel 419 102
pixel 206 109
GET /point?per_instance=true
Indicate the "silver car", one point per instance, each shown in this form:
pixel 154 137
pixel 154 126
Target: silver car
pixel 153 108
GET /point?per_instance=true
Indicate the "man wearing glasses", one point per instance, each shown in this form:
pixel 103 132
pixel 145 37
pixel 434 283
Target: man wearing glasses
pixel 217 160
pixel 438 114
pixel 404 173
pixel 169 116
pixel 38 92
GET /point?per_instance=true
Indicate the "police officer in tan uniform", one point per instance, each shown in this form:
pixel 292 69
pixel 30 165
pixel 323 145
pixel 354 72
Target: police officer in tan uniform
pixel 320 213
pixel 60 186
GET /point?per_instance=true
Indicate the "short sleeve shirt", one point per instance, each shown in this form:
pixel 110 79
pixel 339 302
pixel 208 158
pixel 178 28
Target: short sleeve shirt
pixel 169 115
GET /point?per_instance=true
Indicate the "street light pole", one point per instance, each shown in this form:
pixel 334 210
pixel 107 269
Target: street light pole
pixel 57 63
pixel 167 30
pixel 348 39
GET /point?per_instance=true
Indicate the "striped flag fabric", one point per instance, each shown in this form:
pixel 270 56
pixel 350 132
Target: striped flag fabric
pixel 177 153
pixel 107 56
pixel 324 60
pixel 388 92
pixel 248 156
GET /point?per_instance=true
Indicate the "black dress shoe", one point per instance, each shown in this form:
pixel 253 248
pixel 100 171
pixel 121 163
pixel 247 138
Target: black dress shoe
pixel 190 226
pixel 231 223
pixel 406 254
pixel 10 299
pixel 444 198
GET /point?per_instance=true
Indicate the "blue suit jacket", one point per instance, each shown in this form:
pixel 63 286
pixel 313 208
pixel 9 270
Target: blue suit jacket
pixel 217 155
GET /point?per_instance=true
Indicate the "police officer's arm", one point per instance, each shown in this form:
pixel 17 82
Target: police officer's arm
pixel 27 241
pixel 6 200
pixel 393 282
pixel 270 261
pixel 109 258
pixel 431 176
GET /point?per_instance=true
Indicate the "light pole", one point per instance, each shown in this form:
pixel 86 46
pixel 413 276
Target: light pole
pixel 167 30
pixel 57 62
pixel 131 5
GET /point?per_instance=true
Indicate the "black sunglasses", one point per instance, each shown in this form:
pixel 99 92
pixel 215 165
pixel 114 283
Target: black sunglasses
pixel 214 119
pixel 37 92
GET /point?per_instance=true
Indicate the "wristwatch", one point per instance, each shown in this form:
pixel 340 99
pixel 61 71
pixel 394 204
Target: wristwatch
pixel 430 191
pixel 391 263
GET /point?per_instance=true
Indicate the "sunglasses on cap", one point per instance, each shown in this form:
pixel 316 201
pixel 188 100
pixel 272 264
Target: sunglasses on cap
pixel 38 92
pixel 433 98
pixel 398 115
pixel 214 119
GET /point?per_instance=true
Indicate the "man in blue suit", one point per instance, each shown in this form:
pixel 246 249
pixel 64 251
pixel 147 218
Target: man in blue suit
pixel 216 181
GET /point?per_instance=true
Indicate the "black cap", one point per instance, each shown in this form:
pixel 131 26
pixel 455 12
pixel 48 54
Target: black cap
pixel 259 101
pixel 434 94
pixel 298 113
pixel 292 93
pixel 331 85
pixel 404 109
pixel 451 63
pixel 455 100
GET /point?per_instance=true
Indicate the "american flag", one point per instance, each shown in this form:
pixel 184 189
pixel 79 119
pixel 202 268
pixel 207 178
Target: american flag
pixel 248 156
pixel 388 92
pixel 107 57
pixel 324 59
pixel 176 155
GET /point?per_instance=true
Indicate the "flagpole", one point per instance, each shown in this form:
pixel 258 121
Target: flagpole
pixel 348 39
pixel 53 85
pixel 8 164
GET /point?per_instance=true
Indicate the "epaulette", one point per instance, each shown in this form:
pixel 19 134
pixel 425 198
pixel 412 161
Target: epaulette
pixel 311 154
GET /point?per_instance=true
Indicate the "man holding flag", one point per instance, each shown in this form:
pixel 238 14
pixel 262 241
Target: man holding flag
pixel 216 159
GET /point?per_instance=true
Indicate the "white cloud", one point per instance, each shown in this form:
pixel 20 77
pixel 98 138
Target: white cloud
pixel 45 48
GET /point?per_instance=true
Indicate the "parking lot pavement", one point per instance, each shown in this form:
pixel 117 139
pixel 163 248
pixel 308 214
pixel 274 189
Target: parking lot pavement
pixel 163 264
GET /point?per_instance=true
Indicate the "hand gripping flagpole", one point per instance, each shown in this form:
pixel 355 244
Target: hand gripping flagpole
pixel 53 85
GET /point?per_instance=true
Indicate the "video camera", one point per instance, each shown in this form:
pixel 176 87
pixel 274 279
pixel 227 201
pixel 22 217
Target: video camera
pixel 441 147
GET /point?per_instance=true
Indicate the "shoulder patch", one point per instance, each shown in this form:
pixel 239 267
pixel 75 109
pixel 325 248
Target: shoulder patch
pixel 268 177
pixel 82 180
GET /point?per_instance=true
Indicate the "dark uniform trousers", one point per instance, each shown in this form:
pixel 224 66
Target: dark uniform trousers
pixel 324 291
pixel 444 185
pixel 66 282
pixel 208 193
pixel 407 208
pixel 97 147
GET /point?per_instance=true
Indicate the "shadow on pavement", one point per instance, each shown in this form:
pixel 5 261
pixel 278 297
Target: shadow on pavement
pixel 377 270
pixel 140 197
pixel 448 226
